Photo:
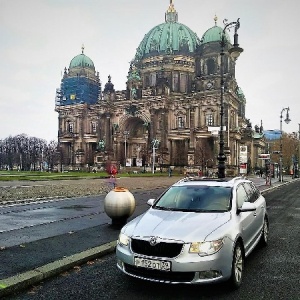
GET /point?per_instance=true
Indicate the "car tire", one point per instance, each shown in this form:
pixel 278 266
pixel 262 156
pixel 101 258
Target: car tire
pixel 265 233
pixel 237 266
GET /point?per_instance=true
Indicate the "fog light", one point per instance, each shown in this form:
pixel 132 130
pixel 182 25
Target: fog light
pixel 209 274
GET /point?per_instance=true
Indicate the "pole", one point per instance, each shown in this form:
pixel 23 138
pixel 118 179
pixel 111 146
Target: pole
pixel 298 152
pixel 153 159
pixel 125 151
pixel 126 133
pixel 234 52
pixel 221 156
pixel 287 121
pixel 42 166
pixel 280 155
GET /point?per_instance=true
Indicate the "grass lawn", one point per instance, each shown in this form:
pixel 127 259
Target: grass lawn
pixel 39 176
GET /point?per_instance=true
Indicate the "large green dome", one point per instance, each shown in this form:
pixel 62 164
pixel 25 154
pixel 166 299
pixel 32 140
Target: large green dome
pixel 82 60
pixel 170 37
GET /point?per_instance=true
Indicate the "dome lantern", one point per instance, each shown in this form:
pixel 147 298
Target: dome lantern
pixel 171 14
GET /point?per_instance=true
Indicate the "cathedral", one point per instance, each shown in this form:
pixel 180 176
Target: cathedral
pixel 169 113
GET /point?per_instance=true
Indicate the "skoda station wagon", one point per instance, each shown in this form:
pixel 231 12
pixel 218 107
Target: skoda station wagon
pixel 198 231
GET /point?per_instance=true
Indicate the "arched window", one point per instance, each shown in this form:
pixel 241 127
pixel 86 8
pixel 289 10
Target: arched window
pixel 225 65
pixel 153 79
pixel 211 66
pixel 175 82
pixel 71 127
pixel 198 68
pixel 94 127
pixel 180 122
pixel 209 119
pixel 183 83
pixel 147 81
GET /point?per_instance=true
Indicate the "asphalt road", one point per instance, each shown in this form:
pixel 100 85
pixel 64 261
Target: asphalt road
pixel 271 273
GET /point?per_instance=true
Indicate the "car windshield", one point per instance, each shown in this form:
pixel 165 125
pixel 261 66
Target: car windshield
pixel 195 198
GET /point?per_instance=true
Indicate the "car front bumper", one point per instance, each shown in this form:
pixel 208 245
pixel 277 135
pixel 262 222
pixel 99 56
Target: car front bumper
pixel 189 268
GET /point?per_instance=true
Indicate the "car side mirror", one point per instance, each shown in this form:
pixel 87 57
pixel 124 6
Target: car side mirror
pixel 150 202
pixel 247 206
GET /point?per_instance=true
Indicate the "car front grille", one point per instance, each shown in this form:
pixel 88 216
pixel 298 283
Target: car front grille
pixel 160 275
pixel 161 249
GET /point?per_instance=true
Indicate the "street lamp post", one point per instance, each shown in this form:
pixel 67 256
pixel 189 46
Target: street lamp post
pixel 155 143
pixel 235 51
pixel 126 134
pixel 287 121
pixel 298 165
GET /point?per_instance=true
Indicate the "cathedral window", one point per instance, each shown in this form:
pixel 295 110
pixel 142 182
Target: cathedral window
pixel 211 66
pixel 183 83
pixel 94 127
pixel 153 79
pixel 198 68
pixel 180 122
pixel 147 81
pixel 209 120
pixel 71 127
pixel 175 82
pixel 225 65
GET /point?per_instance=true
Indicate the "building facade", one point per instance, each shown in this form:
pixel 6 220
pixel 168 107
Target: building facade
pixel 169 113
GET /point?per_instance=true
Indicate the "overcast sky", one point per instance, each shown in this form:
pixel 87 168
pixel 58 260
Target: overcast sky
pixel 38 39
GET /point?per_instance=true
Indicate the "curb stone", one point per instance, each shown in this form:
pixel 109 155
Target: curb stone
pixel 21 281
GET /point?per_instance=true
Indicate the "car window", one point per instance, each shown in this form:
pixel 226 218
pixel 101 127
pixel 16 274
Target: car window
pixel 251 192
pixel 241 195
pixel 256 191
pixel 196 198
pixel 169 198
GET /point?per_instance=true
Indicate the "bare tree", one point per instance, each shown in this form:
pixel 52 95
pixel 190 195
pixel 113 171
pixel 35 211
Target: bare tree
pixel 27 153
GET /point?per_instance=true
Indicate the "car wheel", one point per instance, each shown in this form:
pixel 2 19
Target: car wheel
pixel 237 266
pixel 265 233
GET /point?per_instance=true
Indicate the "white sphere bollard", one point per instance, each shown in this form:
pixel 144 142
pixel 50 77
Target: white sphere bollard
pixel 119 205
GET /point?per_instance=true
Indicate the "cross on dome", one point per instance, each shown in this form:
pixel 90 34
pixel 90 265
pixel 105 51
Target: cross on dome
pixel 171 7
pixel 215 19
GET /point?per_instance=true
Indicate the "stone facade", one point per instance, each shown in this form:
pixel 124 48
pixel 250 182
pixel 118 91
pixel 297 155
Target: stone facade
pixel 169 114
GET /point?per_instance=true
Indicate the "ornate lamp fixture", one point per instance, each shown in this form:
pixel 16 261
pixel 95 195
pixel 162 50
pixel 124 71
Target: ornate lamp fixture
pixel 235 51
pixel 287 121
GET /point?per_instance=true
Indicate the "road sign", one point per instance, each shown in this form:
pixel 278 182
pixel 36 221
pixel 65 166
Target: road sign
pixel 276 152
pixel 264 156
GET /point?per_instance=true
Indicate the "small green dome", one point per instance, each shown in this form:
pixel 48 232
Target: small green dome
pixel 214 35
pixel 82 60
pixel 170 37
pixel 239 92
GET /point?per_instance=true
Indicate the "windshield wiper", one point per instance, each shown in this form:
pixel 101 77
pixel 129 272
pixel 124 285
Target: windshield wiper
pixel 209 210
pixel 162 207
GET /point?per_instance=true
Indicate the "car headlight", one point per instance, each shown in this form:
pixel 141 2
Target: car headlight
pixel 123 239
pixel 206 248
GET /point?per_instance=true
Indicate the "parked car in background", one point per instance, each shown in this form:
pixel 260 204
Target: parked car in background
pixel 197 231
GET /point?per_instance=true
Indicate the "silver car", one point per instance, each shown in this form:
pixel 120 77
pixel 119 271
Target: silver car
pixel 197 231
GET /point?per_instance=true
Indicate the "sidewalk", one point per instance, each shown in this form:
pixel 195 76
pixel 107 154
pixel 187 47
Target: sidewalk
pixel 24 266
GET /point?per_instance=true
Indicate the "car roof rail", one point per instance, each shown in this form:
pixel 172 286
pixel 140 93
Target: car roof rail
pixel 238 178
pixel 196 178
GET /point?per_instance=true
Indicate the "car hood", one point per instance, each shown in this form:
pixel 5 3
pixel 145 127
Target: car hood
pixel 184 226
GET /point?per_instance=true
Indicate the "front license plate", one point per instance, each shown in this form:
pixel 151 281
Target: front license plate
pixel 152 264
